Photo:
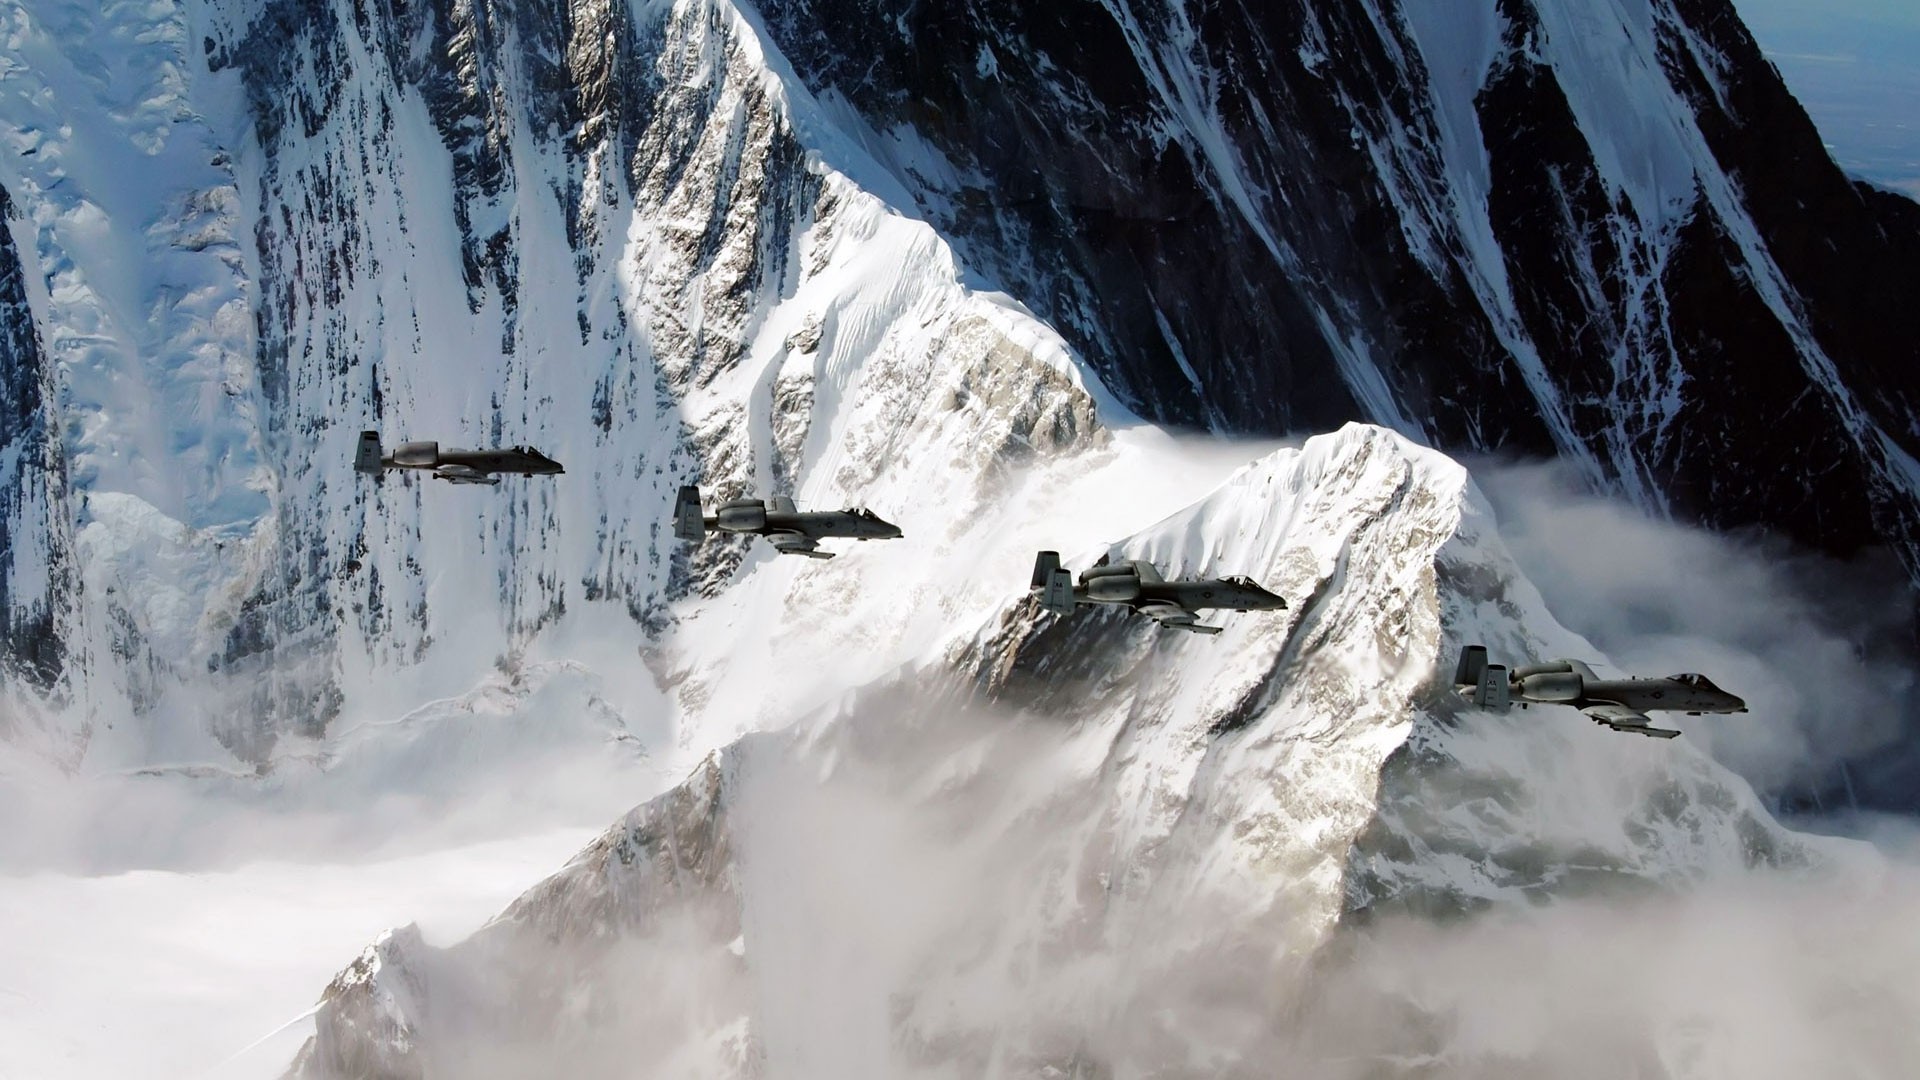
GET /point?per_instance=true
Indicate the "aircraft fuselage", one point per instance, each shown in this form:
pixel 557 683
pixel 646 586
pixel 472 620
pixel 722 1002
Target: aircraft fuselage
pixel 1125 585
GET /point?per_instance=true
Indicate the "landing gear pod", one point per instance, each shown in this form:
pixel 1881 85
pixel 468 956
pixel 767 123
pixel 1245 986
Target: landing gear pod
pixel 795 544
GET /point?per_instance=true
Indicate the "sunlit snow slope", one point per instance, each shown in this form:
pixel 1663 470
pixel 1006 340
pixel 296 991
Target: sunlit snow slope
pixel 680 241
pixel 617 234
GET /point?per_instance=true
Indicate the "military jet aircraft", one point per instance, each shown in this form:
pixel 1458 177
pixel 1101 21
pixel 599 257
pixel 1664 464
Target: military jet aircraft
pixel 790 531
pixel 1620 704
pixel 453 465
pixel 1137 585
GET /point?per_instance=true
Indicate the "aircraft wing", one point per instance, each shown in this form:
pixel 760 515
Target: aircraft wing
pixel 1175 617
pixel 1621 718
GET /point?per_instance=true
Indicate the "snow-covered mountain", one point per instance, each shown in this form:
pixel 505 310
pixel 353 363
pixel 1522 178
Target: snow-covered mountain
pixel 453 236
pixel 1087 846
pixel 963 265
pixel 1598 230
pixel 754 245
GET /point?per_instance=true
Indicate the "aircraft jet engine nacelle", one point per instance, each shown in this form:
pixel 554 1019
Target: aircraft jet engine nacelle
pixel 742 515
pixel 417 455
pixel 1112 588
pixel 1556 686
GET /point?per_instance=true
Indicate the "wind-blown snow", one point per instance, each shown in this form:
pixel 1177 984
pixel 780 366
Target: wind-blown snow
pixel 160 973
pixel 1062 843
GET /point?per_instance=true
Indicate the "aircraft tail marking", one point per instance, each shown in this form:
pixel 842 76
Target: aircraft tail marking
pixel 688 523
pixel 1054 583
pixel 366 456
pixel 1493 693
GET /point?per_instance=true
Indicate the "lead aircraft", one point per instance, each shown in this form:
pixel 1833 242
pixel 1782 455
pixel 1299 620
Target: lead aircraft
pixel 1619 704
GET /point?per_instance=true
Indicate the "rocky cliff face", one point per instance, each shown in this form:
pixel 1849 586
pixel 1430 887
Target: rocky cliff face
pixel 1087 846
pixel 37 575
pixel 753 246
pixel 1602 231
pixel 612 233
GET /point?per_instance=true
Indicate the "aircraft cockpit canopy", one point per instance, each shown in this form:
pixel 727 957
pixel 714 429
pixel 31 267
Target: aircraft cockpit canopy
pixel 1696 681
pixel 1243 581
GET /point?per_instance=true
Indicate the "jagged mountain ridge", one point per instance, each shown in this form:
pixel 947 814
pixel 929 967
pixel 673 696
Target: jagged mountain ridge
pixel 1604 232
pixel 1092 835
pixel 592 227
pixel 730 307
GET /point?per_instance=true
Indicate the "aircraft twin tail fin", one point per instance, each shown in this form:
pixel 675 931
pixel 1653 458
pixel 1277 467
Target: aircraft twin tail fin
pixel 366 456
pixel 1493 692
pixel 1053 583
pixel 1473 661
pixel 688 522
pixel 1486 684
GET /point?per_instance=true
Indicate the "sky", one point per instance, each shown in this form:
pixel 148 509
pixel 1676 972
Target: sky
pixel 1855 66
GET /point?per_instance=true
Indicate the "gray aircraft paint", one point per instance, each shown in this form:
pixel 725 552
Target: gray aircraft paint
pixel 1138 586
pixel 789 529
pixel 454 465
pixel 1619 704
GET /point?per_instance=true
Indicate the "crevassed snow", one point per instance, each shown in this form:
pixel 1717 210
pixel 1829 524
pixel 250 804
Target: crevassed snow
pixel 103 151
